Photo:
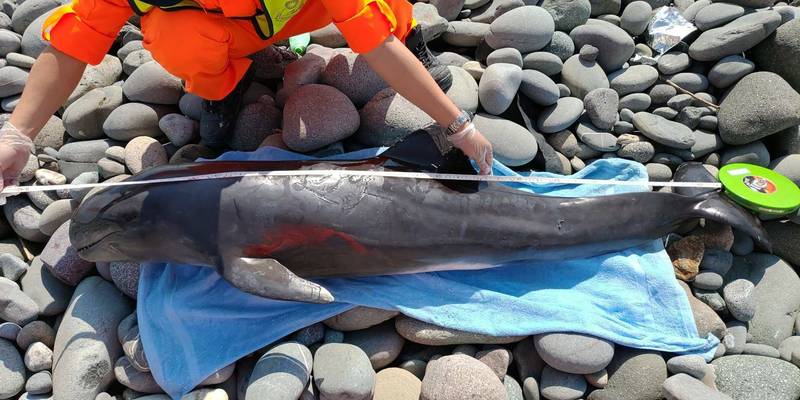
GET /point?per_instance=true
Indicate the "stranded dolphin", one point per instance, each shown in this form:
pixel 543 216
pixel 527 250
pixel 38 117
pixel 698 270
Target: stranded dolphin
pixel 265 235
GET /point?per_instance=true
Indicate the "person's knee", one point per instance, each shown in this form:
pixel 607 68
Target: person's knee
pixel 186 43
pixel 403 14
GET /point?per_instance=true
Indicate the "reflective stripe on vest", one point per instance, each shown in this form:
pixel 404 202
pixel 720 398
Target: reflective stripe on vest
pixel 273 16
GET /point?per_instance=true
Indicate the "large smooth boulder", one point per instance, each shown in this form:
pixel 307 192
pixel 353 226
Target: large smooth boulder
pixel 776 294
pixel 778 53
pixel 389 117
pixel 513 145
pixel 735 37
pixel 86 346
pixel 307 127
pixel 759 105
pixel 516 29
pixel 615 45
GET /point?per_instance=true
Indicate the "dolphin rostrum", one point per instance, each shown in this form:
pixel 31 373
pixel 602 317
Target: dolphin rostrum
pixel 265 235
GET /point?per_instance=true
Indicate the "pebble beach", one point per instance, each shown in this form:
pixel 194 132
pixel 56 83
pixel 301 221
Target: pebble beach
pixel 554 86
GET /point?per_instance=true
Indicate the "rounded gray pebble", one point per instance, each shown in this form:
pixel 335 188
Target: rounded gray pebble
pixel 539 88
pixel 381 343
pixel 568 14
pixel 752 153
pixel 615 45
pixel 513 29
pixel 691 81
pixel 12 370
pixel 564 142
pixel 498 86
pixel 693 365
pixel 738 297
pixel 581 76
pixel 595 138
pixel 355 382
pixel 561 45
pixel 717 14
pixel 131 120
pixel 561 115
pixel 640 151
pixel 735 37
pixel 601 106
pixel 661 93
pixel 563 90
pixel 685 387
pixel 633 79
pixel 465 33
pixel 673 62
pixel 151 83
pixel 758 349
pixel 622 127
pixel 574 353
pixel 756 377
pixel 557 385
pixel 708 281
pixel 635 102
pixel 39 383
pixel 658 172
pixel 513 145
pixel 544 62
pixel 635 17
pixel 729 70
pixel 741 113
pixel 664 131
pixel 282 373
pixel 508 55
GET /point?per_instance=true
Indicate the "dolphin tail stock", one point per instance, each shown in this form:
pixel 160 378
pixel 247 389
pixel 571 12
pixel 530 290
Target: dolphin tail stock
pixel 266 277
pixel 716 207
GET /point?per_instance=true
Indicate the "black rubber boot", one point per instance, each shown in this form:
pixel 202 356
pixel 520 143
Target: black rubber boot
pixel 440 73
pixel 219 116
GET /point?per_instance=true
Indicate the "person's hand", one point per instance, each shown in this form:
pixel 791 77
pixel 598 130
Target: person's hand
pixel 15 149
pixel 475 146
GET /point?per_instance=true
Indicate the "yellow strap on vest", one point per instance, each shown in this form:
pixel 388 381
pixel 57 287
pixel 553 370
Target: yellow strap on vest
pixel 277 13
pixel 51 21
pixel 140 7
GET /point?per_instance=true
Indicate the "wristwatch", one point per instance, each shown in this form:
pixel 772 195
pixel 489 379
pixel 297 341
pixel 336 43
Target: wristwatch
pixel 462 119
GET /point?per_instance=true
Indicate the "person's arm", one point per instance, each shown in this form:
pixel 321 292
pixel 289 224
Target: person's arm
pixel 406 75
pixel 80 32
pixel 368 27
pixel 52 79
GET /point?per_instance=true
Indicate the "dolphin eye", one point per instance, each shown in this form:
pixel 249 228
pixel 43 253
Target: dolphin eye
pixel 92 207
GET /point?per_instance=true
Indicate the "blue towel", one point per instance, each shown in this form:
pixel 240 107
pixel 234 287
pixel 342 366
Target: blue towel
pixel 193 323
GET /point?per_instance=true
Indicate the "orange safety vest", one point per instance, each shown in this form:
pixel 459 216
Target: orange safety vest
pixel 269 20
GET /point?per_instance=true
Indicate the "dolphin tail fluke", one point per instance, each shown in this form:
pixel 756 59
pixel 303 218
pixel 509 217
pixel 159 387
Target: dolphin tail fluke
pixel 716 207
pixel 268 278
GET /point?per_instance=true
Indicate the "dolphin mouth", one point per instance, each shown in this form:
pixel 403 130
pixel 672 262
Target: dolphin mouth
pixel 94 244
pixel 89 239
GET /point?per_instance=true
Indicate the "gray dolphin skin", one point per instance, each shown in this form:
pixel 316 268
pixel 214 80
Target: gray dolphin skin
pixel 266 235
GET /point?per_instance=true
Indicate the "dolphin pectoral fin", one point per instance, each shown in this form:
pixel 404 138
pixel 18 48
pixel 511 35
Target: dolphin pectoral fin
pixel 266 277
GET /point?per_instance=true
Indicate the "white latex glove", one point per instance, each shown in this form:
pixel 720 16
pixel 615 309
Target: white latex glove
pixel 15 149
pixel 475 146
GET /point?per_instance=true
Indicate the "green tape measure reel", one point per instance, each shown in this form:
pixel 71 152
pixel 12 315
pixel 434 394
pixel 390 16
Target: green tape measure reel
pixel 760 189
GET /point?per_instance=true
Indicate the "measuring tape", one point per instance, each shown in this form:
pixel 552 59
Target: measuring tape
pixel 15 190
